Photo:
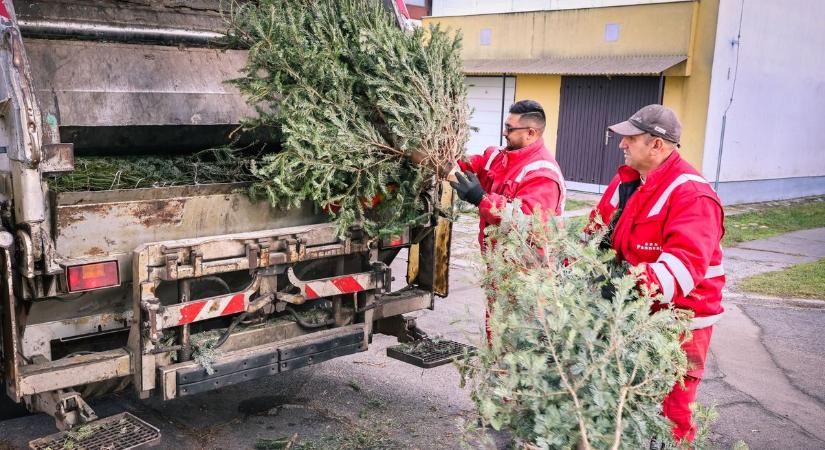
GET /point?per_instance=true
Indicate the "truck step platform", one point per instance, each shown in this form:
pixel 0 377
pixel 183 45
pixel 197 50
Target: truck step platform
pixel 119 432
pixel 430 352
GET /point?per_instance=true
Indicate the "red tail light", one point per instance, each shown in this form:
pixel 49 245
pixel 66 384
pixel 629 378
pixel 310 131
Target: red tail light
pixel 93 276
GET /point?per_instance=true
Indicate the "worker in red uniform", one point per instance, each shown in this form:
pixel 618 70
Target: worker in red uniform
pixel 524 169
pixel 665 217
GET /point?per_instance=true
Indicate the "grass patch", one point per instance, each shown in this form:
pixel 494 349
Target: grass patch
pixel 576 223
pixel 800 281
pixel 774 218
pixel 572 205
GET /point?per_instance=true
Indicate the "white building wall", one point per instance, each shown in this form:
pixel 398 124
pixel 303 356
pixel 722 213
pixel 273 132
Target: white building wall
pixel 471 7
pixel 773 69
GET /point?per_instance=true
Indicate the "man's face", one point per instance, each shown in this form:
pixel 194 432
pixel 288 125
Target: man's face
pixel 639 151
pixel 517 134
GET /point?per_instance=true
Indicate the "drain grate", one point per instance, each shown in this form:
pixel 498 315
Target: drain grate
pixel 119 432
pixel 428 353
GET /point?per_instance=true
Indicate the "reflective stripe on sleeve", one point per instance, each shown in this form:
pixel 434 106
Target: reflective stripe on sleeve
pixel 698 323
pixel 614 200
pixel 536 165
pixel 715 271
pixel 677 267
pixel 681 179
pixel 666 281
pixel 491 158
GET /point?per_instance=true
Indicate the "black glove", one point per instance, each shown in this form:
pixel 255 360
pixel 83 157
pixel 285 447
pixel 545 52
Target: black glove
pixel 468 188
pixel 608 289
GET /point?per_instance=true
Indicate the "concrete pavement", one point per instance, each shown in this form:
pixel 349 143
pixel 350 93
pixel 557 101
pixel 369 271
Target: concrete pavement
pixel 767 361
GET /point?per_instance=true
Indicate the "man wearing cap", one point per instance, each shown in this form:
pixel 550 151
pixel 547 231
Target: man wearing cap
pixel 523 169
pixel 664 216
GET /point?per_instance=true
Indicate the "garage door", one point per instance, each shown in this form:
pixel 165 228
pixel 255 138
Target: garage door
pixel 587 155
pixel 486 95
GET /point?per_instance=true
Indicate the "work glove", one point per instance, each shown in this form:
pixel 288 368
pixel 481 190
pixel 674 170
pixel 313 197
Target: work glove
pixel 468 187
pixel 608 289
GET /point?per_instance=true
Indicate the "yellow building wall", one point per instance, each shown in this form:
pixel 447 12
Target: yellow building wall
pixel 651 29
pixel 545 89
pixel 685 28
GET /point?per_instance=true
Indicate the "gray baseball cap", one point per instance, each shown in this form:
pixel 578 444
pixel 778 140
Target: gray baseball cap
pixel 657 120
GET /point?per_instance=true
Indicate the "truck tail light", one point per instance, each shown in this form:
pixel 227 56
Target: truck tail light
pixel 93 276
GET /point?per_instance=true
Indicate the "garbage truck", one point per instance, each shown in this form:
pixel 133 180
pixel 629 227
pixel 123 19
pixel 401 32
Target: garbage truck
pixel 108 290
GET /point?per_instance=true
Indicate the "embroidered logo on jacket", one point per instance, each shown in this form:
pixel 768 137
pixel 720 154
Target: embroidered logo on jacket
pixel 649 246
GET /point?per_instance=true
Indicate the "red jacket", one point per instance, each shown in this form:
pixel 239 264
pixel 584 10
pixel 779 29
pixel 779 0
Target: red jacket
pixel 672 225
pixel 530 174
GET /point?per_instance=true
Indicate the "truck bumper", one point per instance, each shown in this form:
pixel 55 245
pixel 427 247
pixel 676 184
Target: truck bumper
pixel 189 378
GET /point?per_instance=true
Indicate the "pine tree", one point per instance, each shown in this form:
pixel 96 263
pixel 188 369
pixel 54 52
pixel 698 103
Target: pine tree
pixel 567 368
pixel 356 99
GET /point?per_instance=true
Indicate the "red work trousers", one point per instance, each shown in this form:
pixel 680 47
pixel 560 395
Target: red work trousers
pixel 676 405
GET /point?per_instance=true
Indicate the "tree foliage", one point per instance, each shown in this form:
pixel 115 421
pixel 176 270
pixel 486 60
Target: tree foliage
pixel 355 98
pixel 100 173
pixel 567 368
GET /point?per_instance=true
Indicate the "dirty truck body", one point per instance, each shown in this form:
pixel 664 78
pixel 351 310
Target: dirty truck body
pixel 107 289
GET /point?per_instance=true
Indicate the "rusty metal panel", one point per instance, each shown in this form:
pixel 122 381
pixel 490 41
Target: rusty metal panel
pixel 443 237
pixel 8 314
pixel 123 220
pixel 586 153
pixel 68 372
pixel 189 14
pixel 57 158
pixel 141 84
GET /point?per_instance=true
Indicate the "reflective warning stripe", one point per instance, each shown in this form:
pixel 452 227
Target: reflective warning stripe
pixel 698 323
pixel 198 310
pixel 536 165
pixel 491 158
pixel 715 271
pixel 666 281
pixel 679 270
pixel 614 199
pixel 544 164
pixel 328 287
pixel 681 179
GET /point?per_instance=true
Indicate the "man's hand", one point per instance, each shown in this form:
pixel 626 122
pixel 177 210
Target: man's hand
pixel 468 187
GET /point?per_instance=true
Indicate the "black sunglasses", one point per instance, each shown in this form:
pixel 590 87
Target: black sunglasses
pixel 508 129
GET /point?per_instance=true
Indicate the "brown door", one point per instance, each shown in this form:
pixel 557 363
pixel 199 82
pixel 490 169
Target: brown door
pixel 588 106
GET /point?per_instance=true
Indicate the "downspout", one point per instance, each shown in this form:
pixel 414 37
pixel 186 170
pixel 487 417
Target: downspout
pixel 503 95
pixel 737 43
pixel 661 88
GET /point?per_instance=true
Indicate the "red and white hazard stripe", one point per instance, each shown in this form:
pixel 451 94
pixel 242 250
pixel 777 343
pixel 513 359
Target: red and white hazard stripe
pixel 195 311
pixel 328 287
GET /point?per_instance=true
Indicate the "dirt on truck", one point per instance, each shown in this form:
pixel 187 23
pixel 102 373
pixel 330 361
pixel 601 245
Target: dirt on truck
pixel 170 291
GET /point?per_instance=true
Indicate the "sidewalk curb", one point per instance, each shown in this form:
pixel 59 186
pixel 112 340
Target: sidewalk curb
pixel 767 300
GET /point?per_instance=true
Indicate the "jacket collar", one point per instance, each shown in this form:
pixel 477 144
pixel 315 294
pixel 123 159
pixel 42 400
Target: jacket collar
pixel 522 153
pixel 628 174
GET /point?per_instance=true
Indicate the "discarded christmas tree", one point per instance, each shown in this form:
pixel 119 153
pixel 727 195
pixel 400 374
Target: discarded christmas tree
pixel 101 173
pixel 367 112
pixel 567 368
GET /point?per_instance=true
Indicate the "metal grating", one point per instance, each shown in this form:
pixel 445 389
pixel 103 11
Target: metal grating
pixel 119 432
pixel 428 353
